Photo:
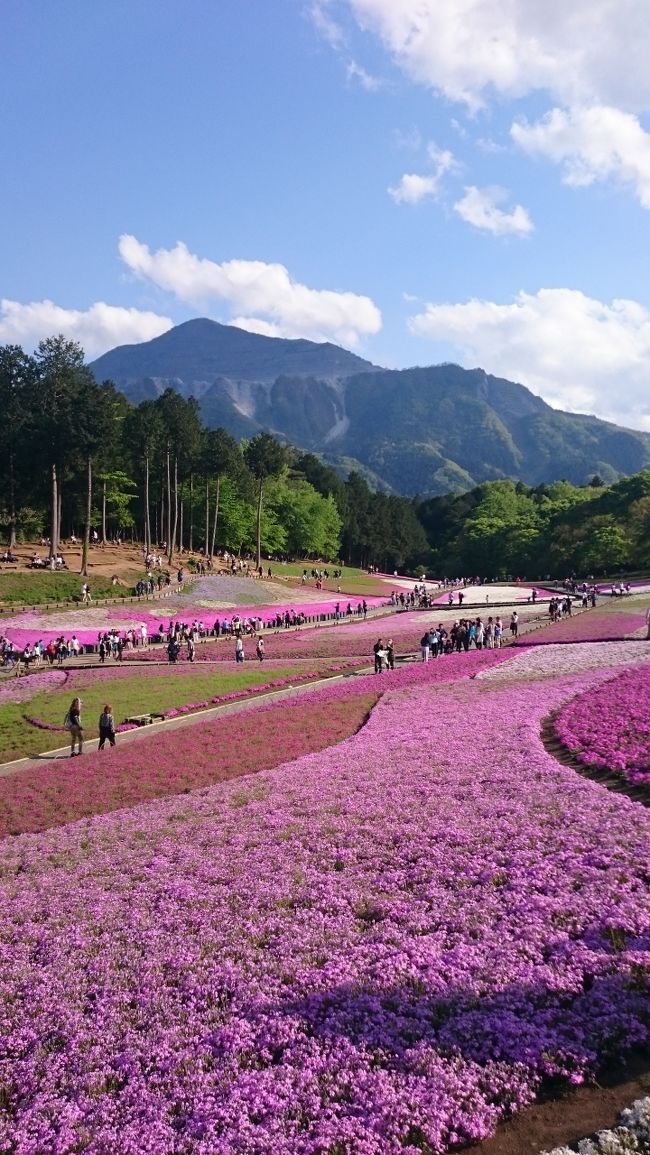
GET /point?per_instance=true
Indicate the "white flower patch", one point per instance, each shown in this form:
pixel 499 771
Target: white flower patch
pixel 550 661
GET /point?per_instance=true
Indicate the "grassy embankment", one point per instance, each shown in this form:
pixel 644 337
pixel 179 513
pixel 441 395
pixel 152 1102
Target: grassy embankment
pixel 129 694
pixel 38 587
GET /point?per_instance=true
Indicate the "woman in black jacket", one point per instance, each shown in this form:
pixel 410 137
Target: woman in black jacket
pixel 75 727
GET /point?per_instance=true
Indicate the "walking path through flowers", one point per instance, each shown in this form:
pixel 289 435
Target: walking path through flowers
pixel 386 945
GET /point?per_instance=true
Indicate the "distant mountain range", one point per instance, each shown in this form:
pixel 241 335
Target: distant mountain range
pixel 427 431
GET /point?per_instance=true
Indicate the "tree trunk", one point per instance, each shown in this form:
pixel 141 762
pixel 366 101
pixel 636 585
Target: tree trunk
pixel 147 522
pixel 216 515
pixel 54 533
pixel 89 500
pixel 59 509
pixel 259 525
pixel 172 535
pixel 207 517
pixel 191 537
pixel 12 504
pixel 169 508
pixel 104 514
pixel 181 527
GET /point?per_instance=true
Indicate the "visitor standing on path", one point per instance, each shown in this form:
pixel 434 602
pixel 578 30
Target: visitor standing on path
pixel 259 649
pixel 73 724
pixel 376 649
pixel 106 727
pixel 239 649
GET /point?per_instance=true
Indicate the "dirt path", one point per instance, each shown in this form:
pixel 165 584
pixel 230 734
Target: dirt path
pixel 575 1116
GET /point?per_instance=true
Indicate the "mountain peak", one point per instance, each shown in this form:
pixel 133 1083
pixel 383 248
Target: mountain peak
pixel 202 350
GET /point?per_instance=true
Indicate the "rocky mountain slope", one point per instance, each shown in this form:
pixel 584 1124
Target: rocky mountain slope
pixel 426 430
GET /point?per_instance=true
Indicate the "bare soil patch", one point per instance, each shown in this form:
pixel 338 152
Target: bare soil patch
pixel 574 1116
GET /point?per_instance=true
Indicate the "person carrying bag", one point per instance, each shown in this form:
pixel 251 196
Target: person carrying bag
pixel 72 722
pixel 106 727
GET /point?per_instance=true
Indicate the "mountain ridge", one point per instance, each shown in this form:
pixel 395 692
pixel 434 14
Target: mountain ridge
pixel 426 430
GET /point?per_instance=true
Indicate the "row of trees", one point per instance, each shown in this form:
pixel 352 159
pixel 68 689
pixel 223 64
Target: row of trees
pixel 76 455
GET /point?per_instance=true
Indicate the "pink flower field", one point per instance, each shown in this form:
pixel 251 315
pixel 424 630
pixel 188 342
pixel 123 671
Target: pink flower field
pixel 609 728
pixel 599 625
pixel 86 622
pixel 171 762
pixel 381 947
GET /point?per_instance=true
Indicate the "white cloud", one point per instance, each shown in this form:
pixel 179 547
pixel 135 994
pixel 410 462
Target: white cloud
pixel 479 207
pixel 414 187
pixel 97 329
pixel 576 352
pixel 256 325
pixel 592 144
pixel 583 51
pixel 357 72
pixel 325 25
pixel 264 292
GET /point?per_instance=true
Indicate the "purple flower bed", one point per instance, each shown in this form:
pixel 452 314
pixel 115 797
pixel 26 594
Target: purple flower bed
pixel 382 948
pixel 609 728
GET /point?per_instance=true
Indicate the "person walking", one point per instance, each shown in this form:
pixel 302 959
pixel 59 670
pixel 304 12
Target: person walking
pixel 390 651
pixel 259 649
pixel 376 649
pixel 106 727
pixel 239 649
pixel 514 623
pixel 73 724
pixel 424 647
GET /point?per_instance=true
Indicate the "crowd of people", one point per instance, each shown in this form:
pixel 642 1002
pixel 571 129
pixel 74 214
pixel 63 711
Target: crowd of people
pixel 464 634
pixel 34 654
pixel 52 563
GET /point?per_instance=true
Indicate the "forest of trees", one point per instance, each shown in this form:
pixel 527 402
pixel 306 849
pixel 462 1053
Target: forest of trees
pixel 76 455
pixel 506 528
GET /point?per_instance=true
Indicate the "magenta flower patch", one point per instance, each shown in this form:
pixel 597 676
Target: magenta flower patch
pixel 609 727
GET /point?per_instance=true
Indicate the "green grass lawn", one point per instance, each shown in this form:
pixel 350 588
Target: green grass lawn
pixel 38 586
pixel 138 693
pixel 355 582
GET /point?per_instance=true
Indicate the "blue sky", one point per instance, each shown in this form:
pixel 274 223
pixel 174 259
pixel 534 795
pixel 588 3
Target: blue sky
pixel 418 180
